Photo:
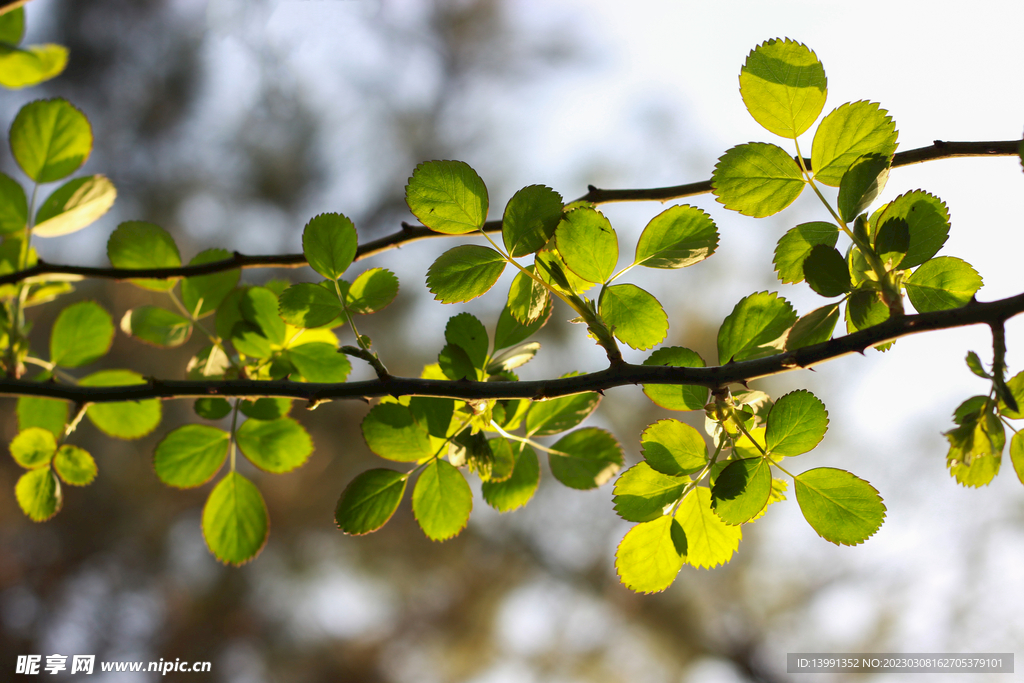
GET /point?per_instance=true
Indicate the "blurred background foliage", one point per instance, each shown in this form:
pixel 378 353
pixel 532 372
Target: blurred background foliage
pixel 226 123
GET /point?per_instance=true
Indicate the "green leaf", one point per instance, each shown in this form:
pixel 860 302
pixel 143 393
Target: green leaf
pixel 157 326
pixel 235 520
pixel 709 541
pixel 527 298
pixel 530 219
pixel 12 26
pixel 976 446
pixel 455 363
pixel 510 332
pixel 891 243
pixel 369 501
pixel 465 331
pixel 651 555
pixel 203 294
pixel 371 291
pixel 229 313
pixel 211 408
pixel 516 491
pixel 757 179
pixel 47 413
pixel 861 185
pixel 259 306
pixel 814 328
pixel 927 221
pixel 441 501
pixel 24 67
pixel 13 206
pixel 826 271
pixel 329 243
pixel 942 283
pixel 1015 384
pixel 81 335
pixel 33 447
pixel 842 508
pixel 137 244
pixel 433 413
pixel 39 495
pixel 796 424
pixel 320 362
pixel 249 340
pixel 447 196
pixel 552 269
pixel 975 366
pixel 391 432
pixel 464 273
pixel 634 316
pixel 191 455
pixel 847 133
pixel 587 243
pixel 677 237
pixel 1017 454
pixel 673 448
pixel 642 493
pixel 307 305
pixel 756 327
pixel 796 245
pixel 865 309
pixel 275 446
pixel 559 414
pixel 741 490
pixel 127 420
pixel 75 465
pixel 75 205
pixel 783 86
pixel 677 396
pixel 590 457
pixel 50 139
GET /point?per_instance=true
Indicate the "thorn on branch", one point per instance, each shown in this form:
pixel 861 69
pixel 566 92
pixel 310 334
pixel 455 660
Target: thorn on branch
pixel 406 227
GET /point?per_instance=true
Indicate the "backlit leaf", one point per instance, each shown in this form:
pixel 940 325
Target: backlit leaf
pixel 137 244
pixel 24 67
pixel 47 413
pixel 796 424
pixel 826 271
pixel 516 491
pixel 127 420
pixel 13 206
pixel 795 246
pixel 530 219
pixel 212 408
pixel 677 237
pixel 190 455
pixel 642 493
pixel 510 332
pixel 320 362
pixel 839 506
pixel 589 458
pixel 1017 454
pixel 587 243
pixel 456 364
pixel 559 414
pixel 927 222
pixel 709 541
pixel 157 326
pixel 369 501
pixel 373 290
pixel 783 86
pixel 75 205
pixel 447 196
pixel 757 179
pixel 813 328
pixel 50 139
pixel 210 289
pixel 75 465
pixel 942 283
pixel 741 490
pixel 33 447
pixel 756 327
pixel 235 520
pixel 651 555
pixel 861 184
pixel 464 330
pixel 527 298
pixel 307 305
pixel 274 446
pixel 677 396
pixel 673 448
pixel 634 316
pixel 464 273
pixel 391 432
pixel 329 243
pixel 847 133
pixel 81 334
pixel 259 306
pixel 38 493
pixel 441 501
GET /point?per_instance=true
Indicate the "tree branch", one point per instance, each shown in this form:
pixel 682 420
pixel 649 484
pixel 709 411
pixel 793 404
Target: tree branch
pixel 991 313
pixel 412 233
